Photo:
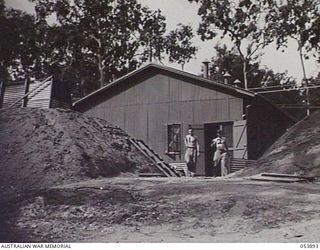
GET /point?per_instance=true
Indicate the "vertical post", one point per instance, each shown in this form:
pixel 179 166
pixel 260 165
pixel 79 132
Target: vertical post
pixel 150 51
pixel 307 100
pixel 2 88
pixel 52 93
pixel 26 90
pixel 206 68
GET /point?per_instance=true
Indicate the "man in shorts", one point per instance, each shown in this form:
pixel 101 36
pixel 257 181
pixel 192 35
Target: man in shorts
pixel 192 151
pixel 220 153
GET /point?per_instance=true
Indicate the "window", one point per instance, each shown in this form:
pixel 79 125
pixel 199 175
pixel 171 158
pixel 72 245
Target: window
pixel 174 139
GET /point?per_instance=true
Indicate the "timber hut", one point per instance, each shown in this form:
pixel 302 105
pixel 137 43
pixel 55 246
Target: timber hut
pixel 47 93
pixel 157 104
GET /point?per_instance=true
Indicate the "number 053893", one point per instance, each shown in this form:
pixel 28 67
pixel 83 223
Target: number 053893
pixel 309 245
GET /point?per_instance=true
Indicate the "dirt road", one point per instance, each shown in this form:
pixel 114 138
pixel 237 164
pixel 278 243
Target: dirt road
pixel 165 210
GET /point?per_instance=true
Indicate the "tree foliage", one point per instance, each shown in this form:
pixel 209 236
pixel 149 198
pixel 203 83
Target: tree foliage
pixel 87 42
pixel 242 21
pixel 229 61
pixel 102 40
pixel 299 20
pixel 18 48
pixel 179 46
pixel 260 79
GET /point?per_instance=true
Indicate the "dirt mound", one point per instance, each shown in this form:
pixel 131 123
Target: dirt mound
pixel 45 147
pixel 296 152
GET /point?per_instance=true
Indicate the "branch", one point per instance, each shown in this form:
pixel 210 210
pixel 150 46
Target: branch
pixel 140 54
pixel 255 50
pixel 298 40
pixel 96 39
pixel 72 58
pixel 239 50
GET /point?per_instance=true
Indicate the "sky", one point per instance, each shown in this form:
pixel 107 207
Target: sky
pixel 181 11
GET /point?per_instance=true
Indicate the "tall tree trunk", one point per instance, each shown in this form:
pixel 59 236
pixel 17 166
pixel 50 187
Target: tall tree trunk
pixel 101 71
pixel 244 65
pixel 83 87
pixel 100 60
pixel 244 71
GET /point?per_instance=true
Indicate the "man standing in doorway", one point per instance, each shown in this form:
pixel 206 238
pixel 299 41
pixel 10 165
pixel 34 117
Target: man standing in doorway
pixel 221 153
pixel 192 151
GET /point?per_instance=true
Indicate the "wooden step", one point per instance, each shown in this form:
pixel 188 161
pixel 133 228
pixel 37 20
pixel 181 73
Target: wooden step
pixel 237 164
pixel 276 175
pixel 151 175
pixel 234 168
pixel 149 153
pixel 277 179
pixel 156 157
pixel 181 167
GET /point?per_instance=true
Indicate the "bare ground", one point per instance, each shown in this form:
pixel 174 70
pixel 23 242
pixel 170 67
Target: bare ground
pixel 165 210
pixel 53 165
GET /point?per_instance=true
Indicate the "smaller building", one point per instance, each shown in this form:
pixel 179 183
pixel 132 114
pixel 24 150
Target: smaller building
pixel 48 93
pixel 158 104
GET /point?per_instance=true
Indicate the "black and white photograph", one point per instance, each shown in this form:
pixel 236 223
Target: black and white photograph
pixel 159 121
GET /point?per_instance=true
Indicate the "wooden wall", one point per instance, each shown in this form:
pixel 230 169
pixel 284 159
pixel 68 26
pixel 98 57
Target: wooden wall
pixel 265 124
pixel 53 93
pixel 40 98
pixel 60 94
pixel 12 93
pixel 143 107
pixel 39 95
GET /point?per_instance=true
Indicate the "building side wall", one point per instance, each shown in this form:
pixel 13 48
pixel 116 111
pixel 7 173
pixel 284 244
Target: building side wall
pixel 266 124
pixel 50 94
pixel 12 94
pixel 144 108
pixel 40 98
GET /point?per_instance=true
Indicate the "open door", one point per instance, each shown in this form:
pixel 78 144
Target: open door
pixel 198 130
pixel 210 134
pixel 240 139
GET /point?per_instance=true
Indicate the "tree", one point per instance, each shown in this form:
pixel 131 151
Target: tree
pixel 17 44
pixel 97 32
pixel 179 46
pixel 242 21
pixel 299 20
pixel 151 37
pixel 230 61
pixel 106 38
pixel 278 88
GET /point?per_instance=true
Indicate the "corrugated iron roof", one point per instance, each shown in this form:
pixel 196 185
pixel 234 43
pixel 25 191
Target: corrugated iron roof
pixel 235 90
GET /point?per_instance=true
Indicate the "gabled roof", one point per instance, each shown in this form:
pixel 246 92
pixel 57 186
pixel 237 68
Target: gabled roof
pixel 229 88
